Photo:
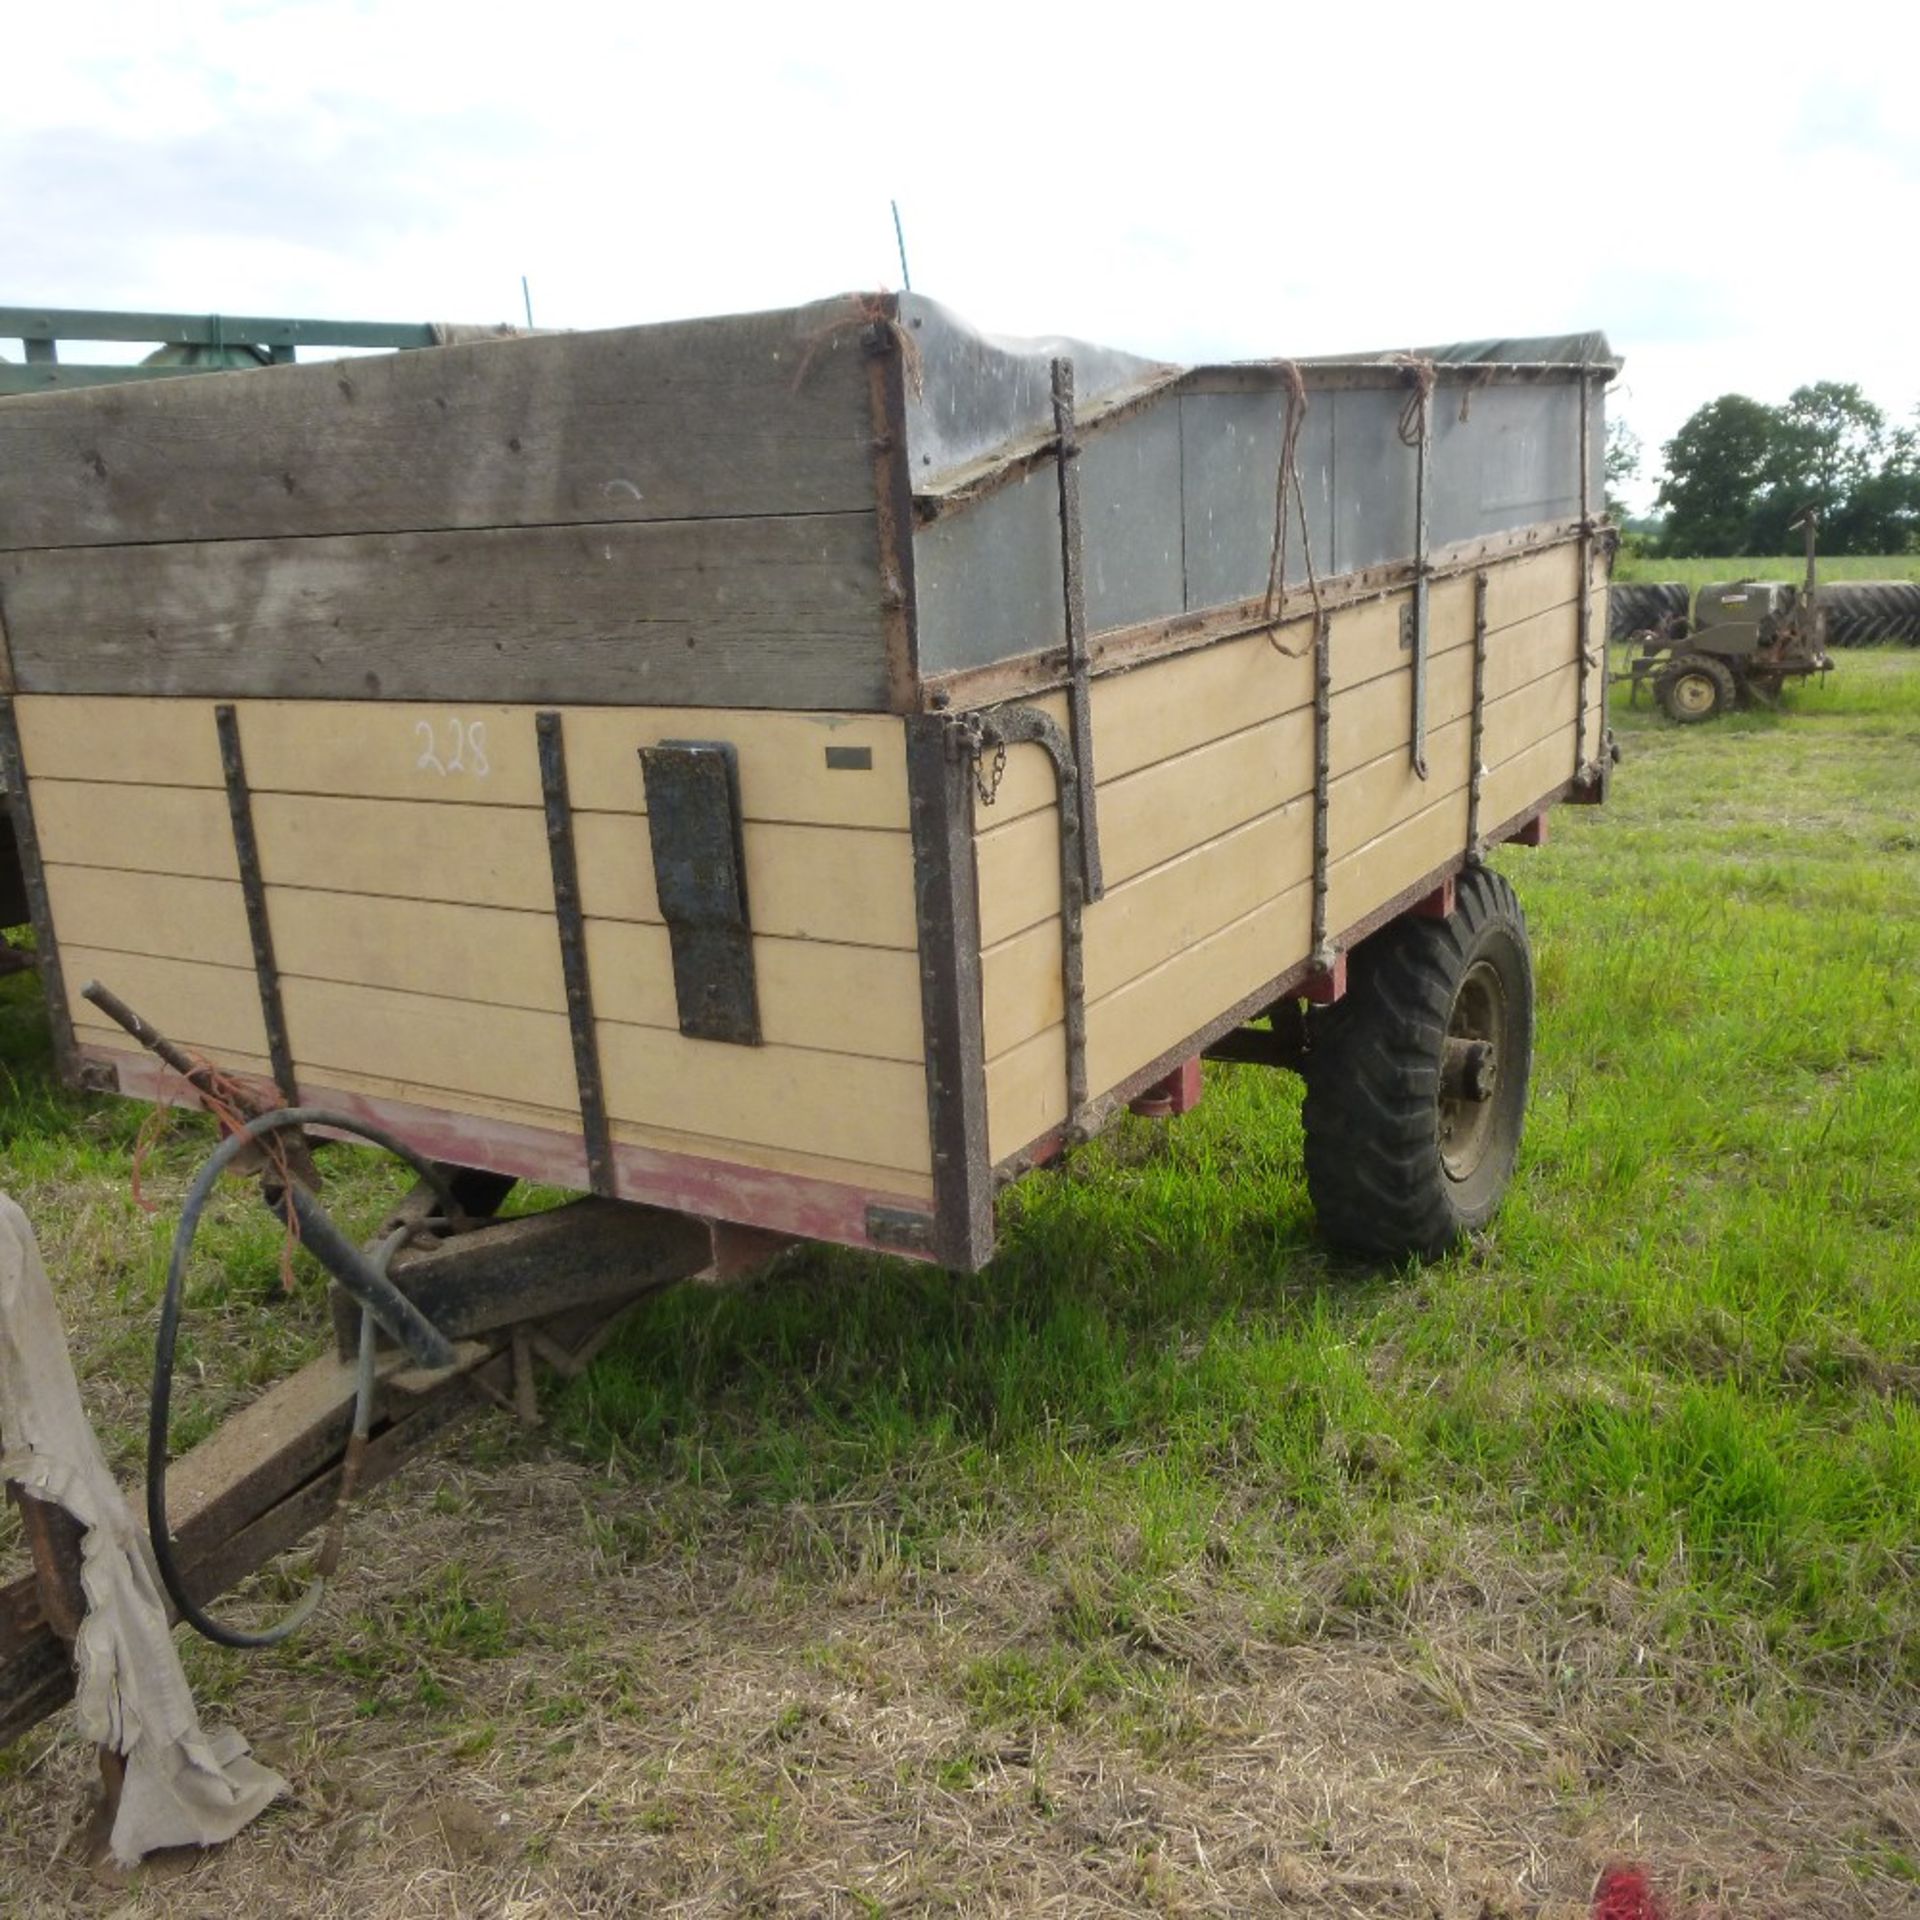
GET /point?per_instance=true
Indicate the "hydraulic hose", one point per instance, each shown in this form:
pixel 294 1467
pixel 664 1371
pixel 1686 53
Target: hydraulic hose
pixel 382 1304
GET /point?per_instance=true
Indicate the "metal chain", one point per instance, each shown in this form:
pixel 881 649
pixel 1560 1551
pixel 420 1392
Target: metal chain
pixel 988 784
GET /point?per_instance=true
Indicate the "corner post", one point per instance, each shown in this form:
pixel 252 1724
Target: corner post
pixel 947 921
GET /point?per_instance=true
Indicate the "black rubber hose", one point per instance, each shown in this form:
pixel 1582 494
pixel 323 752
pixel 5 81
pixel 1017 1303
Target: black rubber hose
pixel 167 1339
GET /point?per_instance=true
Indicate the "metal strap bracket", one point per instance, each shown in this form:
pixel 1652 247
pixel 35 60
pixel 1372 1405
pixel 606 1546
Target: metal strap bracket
pixel 1584 613
pixel 1422 475
pixel 1476 750
pixel 1079 656
pixel 1029 726
pixel 571 922
pixel 253 891
pixel 1323 954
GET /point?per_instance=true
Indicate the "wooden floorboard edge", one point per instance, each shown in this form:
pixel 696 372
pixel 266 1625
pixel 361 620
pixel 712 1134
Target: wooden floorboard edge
pixel 802 1205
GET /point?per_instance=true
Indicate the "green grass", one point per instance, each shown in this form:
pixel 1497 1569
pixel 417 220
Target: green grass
pixel 1786 566
pixel 1684 1367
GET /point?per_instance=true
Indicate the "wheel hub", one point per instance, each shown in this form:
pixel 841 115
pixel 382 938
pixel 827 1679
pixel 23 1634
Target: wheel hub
pixel 1470 1070
pixel 1693 693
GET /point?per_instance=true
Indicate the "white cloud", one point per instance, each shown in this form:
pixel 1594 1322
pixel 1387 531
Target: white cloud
pixel 1220 181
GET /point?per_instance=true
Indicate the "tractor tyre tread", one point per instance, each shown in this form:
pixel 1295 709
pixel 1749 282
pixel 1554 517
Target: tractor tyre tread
pixel 1371 1116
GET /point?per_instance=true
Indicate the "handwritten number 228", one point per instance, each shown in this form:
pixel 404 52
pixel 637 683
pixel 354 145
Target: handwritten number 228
pixel 466 744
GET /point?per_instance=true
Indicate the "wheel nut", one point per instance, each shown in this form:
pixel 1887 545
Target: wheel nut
pixel 1469 1070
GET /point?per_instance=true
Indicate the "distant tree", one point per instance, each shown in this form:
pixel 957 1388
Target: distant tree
pixel 1716 466
pixel 1881 514
pixel 1829 447
pixel 1623 466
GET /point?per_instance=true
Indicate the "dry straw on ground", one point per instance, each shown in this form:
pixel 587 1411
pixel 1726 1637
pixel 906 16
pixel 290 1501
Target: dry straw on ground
pixel 503 1716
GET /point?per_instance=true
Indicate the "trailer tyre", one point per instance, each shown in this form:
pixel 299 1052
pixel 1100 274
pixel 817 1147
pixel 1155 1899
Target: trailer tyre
pixel 1696 687
pixel 1417 1078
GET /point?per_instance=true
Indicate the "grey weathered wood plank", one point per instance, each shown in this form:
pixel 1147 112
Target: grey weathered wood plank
pixel 745 613
pixel 751 414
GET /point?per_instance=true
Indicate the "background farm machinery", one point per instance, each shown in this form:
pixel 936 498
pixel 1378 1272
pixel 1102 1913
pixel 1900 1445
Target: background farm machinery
pixel 1743 642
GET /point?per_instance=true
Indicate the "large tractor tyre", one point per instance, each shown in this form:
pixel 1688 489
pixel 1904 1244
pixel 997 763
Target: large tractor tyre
pixel 1645 606
pixel 1872 613
pixel 1696 687
pixel 1417 1078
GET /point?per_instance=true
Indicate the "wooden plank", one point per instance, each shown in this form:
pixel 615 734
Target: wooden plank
pixel 1520 781
pixel 723 612
pixel 755 414
pixel 137 742
pixel 480 754
pixel 1517 590
pixel 1412 847
pixel 1161 812
pixel 845 886
pixel 1026 1087
pixel 1145 818
pixel 1537 711
pixel 870 1111
pixel 1377 797
pixel 793 1193
pixel 835 999
pixel 185 830
pixel 99 1032
pixel 511 1059
pixel 170 916
pixel 1375 720
pixel 215 1008
pixel 1147 922
pixel 1389 831
pixel 1167 707
pixel 841 999
pixel 1520 654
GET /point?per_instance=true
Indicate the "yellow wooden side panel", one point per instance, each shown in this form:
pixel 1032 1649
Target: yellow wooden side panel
pixel 413 924
pixel 1205 775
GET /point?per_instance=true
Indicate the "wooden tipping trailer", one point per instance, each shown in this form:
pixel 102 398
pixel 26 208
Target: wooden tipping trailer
pixel 787 775
pixel 797 769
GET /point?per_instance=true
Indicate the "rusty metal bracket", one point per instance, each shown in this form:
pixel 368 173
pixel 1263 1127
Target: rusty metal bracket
pixel 253 891
pixel 26 840
pixel 700 874
pixel 597 1135
pixel 1322 783
pixel 1476 771
pixel 1423 473
pixel 1079 654
pixel 1029 726
pixel 1584 615
pixel 942 777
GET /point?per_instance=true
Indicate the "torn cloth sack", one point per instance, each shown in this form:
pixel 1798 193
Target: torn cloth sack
pixel 183 1786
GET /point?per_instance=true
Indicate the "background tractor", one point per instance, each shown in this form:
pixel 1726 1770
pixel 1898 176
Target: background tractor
pixel 1745 640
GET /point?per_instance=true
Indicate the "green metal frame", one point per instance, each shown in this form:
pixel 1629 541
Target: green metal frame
pixel 41 329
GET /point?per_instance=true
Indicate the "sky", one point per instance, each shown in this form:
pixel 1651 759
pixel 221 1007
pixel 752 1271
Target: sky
pixel 1730 194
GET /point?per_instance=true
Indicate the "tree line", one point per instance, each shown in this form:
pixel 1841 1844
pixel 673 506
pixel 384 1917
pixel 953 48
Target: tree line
pixel 1739 473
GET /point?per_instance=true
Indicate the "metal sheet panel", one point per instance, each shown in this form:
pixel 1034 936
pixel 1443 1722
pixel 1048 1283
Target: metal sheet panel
pixel 1130 514
pixel 987 580
pixel 1374 479
pixel 972 393
pixel 1511 461
pixel 1230 452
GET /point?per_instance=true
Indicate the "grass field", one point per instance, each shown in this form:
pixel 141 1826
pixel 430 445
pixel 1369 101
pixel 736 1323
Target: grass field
pixel 1789 566
pixel 1168 1567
